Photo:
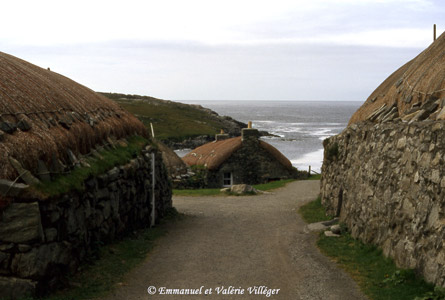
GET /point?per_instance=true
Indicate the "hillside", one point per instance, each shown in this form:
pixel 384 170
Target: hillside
pixel 176 124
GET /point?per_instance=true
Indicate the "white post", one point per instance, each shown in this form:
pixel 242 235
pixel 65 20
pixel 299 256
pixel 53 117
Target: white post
pixel 152 131
pixel 153 185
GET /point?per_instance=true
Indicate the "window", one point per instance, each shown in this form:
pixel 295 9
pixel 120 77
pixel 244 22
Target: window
pixel 227 179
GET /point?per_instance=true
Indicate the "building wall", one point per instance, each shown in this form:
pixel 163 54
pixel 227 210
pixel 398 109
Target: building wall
pixel 40 241
pixel 250 164
pixel 387 183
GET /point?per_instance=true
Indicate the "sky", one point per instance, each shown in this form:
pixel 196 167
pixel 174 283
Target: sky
pixel 223 50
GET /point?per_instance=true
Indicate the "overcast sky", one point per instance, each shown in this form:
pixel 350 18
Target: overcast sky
pixel 223 50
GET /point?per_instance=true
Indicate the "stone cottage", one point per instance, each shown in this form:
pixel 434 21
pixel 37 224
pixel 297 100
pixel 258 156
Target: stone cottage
pixel 384 175
pixel 244 159
pixel 51 126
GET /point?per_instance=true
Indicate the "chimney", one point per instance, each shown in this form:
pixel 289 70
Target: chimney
pixel 249 133
pixel 221 136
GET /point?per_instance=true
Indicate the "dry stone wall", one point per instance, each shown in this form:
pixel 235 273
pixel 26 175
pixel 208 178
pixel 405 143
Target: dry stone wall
pixel 40 241
pixel 387 184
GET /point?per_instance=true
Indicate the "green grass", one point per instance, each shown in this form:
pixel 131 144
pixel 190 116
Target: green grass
pixel 315 177
pixel 198 192
pixel 314 212
pixel 100 277
pixel 171 120
pixel 377 276
pixel 216 192
pixel 75 179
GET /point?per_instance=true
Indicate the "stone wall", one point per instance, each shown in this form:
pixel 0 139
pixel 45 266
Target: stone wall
pixel 387 184
pixel 40 241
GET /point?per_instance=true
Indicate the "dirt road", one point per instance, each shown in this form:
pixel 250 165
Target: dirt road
pixel 234 244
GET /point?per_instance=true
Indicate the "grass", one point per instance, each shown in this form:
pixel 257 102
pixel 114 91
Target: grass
pixel 315 177
pixel 216 192
pixel 101 276
pixel 377 276
pixel 171 120
pixel 75 179
pixel 314 212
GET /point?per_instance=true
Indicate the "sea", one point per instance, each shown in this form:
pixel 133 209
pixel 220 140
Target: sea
pixel 299 126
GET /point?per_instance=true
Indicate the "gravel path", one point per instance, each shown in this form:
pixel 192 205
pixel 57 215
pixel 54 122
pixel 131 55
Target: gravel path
pixel 241 242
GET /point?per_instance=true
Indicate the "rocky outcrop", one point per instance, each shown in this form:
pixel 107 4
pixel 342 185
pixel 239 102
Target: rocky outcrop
pixel 386 181
pixel 42 240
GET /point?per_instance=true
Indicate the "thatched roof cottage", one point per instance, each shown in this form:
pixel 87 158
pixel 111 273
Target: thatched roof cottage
pixel 43 114
pixel 244 159
pixel 55 132
pixel 384 175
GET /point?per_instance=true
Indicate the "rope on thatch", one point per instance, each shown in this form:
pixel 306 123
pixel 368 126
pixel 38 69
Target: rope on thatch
pixel 423 93
pixel 13 182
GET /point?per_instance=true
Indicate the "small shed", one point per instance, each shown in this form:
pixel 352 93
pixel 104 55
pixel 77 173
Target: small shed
pixel 244 159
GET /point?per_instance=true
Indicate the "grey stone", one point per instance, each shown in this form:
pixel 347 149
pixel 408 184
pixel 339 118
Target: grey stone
pixel 113 174
pixel 6 247
pixel 57 166
pixel 103 194
pixel 65 122
pixel 23 125
pixel 336 229
pixel 36 263
pixel 52 121
pixel 11 189
pixel 8 127
pixel 242 189
pixel 16 288
pixel 441 115
pixel 408 99
pixel 24 174
pixel 331 234
pixel 50 234
pixel 4 262
pixel 21 223
pixel 43 172
pixel 319 226
pixel 72 158
pixel 24 248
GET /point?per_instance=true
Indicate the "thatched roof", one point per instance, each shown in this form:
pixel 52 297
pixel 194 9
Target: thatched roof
pixel 174 164
pixel 43 114
pixel 213 154
pixel 412 93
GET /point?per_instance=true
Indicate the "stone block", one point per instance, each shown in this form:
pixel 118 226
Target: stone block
pixel 16 288
pixel 9 188
pixel 21 223
pixel 37 262
pixel 242 189
pixel 24 174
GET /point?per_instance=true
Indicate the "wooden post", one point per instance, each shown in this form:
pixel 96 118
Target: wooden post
pixel 249 124
pixel 434 32
pixel 309 170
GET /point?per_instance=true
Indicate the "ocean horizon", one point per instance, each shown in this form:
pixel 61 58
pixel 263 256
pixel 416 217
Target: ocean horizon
pixel 299 126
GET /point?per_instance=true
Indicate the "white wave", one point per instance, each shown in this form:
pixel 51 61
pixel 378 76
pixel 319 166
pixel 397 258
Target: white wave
pixel 313 159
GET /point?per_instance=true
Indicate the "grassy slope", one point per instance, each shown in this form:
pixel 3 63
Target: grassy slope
pixel 171 120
